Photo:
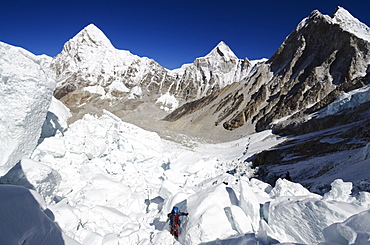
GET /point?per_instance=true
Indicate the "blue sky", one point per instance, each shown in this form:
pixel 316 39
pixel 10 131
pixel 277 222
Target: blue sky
pixel 172 32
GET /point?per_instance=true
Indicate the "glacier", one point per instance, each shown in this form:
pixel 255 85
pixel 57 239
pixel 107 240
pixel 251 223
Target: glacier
pixel 26 88
pixel 109 182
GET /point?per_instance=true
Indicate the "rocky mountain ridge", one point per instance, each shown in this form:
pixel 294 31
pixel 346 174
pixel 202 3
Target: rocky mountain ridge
pixel 314 65
pixel 301 92
pixel 92 73
pixel 219 96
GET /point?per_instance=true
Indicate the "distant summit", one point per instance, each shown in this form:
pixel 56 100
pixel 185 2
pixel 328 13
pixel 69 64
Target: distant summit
pixel 92 36
pixel 351 24
pixel 223 51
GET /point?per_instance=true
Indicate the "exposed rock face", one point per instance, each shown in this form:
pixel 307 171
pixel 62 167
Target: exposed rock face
pixel 338 97
pixel 324 59
pixel 317 62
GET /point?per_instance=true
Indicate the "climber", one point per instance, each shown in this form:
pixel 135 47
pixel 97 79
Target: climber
pixel 174 218
pixel 287 176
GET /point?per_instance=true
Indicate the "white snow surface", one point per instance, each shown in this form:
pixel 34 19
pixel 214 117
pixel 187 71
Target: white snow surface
pixel 103 181
pixel 168 102
pixel 26 88
pixel 351 24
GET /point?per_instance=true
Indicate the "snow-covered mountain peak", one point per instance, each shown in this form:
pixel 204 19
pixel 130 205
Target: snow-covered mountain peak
pixel 91 54
pixel 92 36
pixel 222 51
pixel 351 24
pixel 342 18
pixel 315 16
pixel 342 13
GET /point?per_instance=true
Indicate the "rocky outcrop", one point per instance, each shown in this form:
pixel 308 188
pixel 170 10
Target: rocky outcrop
pixel 325 59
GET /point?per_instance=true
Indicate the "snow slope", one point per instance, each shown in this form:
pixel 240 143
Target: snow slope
pixel 24 221
pixel 103 181
pixel 109 182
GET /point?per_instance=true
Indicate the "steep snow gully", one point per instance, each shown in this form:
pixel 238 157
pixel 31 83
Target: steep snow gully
pixel 100 180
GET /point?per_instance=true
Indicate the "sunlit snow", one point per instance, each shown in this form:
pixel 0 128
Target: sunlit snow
pixel 109 182
pixel 103 181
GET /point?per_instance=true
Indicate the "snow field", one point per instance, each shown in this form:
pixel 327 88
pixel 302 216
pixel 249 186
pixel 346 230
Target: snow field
pixel 117 183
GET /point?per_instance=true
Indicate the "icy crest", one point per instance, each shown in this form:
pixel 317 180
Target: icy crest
pixel 341 17
pixel 351 24
pixel 222 51
pixel 90 47
pixel 92 36
pixel 220 65
pixel 91 57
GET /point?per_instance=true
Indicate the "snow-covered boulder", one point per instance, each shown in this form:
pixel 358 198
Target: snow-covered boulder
pixel 167 102
pixel 340 191
pixel 209 208
pixel 26 88
pixel 303 217
pixel 286 188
